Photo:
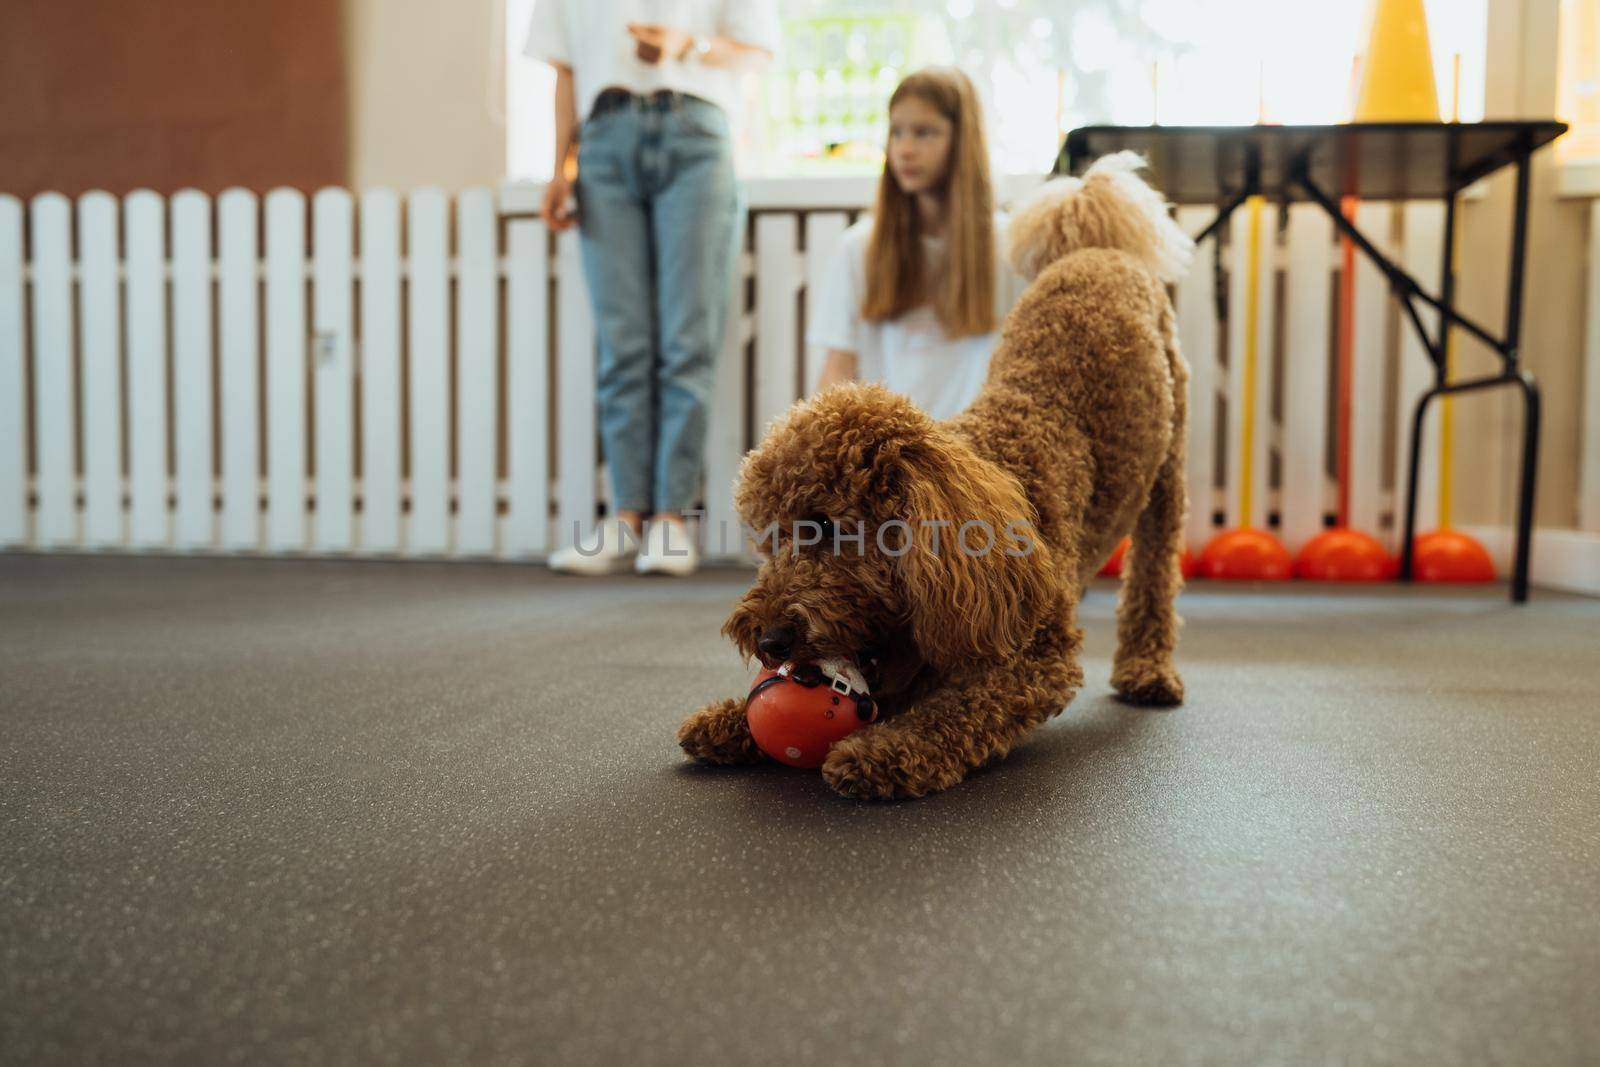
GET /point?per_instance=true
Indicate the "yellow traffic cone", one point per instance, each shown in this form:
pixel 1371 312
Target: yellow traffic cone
pixel 1397 82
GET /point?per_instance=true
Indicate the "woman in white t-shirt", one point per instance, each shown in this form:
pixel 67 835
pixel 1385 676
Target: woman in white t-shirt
pixel 916 292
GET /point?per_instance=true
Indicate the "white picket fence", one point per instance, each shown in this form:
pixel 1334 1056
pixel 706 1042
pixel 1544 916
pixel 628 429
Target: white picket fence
pixel 1295 491
pixel 414 376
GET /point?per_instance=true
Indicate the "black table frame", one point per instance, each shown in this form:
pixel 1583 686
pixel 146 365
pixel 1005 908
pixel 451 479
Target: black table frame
pixel 1408 291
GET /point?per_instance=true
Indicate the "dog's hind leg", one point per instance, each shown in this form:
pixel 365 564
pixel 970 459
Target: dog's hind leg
pixel 720 733
pixel 1147 616
pixel 953 730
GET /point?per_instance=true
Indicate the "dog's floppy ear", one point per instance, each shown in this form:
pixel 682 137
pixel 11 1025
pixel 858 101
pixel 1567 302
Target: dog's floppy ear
pixel 967 603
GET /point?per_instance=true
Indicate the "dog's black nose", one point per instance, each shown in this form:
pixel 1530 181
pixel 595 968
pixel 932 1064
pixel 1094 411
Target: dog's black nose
pixel 777 641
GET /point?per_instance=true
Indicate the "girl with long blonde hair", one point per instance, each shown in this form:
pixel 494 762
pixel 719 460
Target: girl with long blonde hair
pixel 917 291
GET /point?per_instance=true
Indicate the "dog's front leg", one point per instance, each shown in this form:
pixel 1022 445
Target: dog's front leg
pixel 959 727
pixel 720 733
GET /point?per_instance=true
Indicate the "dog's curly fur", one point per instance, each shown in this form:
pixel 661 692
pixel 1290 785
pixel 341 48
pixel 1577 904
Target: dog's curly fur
pixel 1078 432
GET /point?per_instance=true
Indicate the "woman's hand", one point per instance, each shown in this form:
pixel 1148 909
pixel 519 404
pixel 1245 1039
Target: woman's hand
pixel 655 42
pixel 555 208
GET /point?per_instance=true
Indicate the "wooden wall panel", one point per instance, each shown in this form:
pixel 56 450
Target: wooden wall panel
pixel 167 94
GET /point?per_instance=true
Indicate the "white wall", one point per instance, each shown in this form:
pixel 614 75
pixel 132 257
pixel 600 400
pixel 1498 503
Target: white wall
pixel 427 92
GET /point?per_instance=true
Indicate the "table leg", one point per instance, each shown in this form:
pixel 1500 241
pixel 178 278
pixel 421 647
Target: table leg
pixel 1413 472
pixel 1224 213
pixel 1406 288
pixel 1531 408
pixel 1439 353
pixel 1531 405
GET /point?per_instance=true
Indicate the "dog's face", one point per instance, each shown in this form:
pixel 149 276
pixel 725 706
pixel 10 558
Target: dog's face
pixel 886 539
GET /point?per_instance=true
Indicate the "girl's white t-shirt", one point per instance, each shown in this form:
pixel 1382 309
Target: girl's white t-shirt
pixel 911 354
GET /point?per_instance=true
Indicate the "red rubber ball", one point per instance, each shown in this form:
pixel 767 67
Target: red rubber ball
pixel 796 723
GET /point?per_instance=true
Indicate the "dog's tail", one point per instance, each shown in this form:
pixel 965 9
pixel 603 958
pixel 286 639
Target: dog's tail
pixel 1111 206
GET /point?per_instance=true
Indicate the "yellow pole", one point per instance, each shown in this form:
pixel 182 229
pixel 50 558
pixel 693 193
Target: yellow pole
pixel 1251 342
pixel 1252 328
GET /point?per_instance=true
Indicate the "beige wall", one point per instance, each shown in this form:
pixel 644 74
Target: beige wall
pixel 426 92
pixel 1521 84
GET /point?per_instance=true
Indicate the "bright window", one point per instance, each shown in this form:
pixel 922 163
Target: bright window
pixel 1043 66
pixel 1579 81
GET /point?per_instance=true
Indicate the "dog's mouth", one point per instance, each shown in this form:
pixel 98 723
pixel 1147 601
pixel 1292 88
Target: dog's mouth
pixel 868 660
pixel 771 662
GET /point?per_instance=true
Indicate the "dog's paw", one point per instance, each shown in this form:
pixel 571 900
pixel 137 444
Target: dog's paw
pixel 853 774
pixel 1148 685
pixel 718 733
pixel 867 766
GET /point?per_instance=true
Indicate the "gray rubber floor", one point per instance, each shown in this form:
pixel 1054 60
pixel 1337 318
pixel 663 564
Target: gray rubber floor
pixel 314 812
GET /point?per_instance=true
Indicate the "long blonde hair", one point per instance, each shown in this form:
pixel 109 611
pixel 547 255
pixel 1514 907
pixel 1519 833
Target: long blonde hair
pixel 964 297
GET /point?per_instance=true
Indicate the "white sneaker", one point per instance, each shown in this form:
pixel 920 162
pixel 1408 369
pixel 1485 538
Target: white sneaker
pixel 668 549
pixel 612 549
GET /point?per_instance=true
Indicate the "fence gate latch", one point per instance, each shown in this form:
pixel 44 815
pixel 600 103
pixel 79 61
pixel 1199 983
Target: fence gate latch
pixel 327 346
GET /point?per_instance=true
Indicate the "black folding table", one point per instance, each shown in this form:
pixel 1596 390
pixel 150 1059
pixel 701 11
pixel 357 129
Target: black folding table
pixel 1225 165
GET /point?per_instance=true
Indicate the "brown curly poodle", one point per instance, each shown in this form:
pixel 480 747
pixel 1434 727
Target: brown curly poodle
pixel 1076 440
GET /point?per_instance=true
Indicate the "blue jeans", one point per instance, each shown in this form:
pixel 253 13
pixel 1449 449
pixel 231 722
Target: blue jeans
pixel 659 212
